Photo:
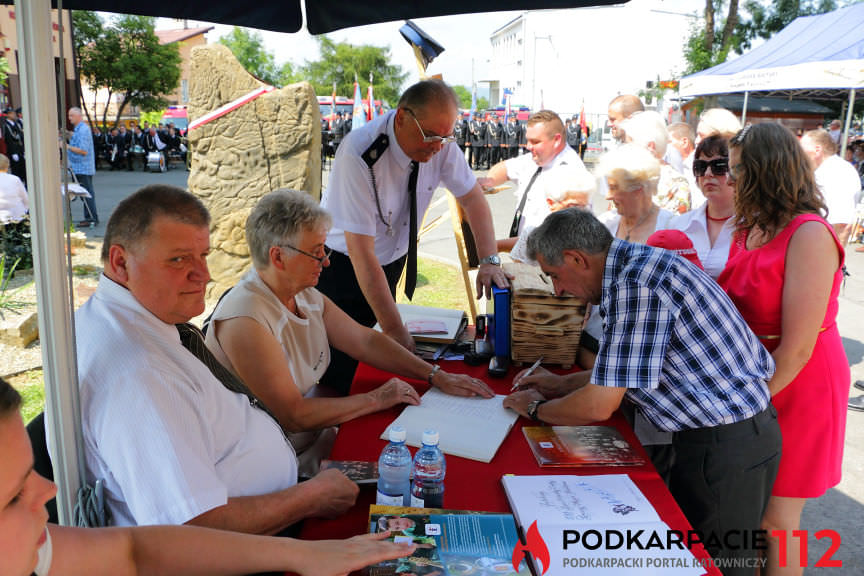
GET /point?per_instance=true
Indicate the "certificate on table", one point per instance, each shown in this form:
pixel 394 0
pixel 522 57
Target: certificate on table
pixel 472 428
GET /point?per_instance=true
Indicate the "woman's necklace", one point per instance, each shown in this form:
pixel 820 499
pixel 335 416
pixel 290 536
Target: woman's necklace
pixel 708 216
pixel 638 223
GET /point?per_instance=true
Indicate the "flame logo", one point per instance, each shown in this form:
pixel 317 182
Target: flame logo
pixel 535 546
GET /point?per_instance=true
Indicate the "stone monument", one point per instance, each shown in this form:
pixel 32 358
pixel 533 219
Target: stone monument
pixel 269 142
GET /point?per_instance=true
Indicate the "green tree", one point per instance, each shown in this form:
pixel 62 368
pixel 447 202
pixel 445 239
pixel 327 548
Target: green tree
pixel 343 62
pixel 248 48
pixel 768 18
pixel 125 58
pixel 709 42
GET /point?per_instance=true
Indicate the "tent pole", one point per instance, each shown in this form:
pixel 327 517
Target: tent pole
pixel 744 111
pixel 849 111
pixel 38 95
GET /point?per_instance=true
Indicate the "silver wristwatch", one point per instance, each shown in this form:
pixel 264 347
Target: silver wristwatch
pixel 494 259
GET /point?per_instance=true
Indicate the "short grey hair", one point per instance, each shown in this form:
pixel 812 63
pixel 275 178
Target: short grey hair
pixel 568 229
pixel 648 127
pixel 421 95
pixel 631 166
pixel 281 217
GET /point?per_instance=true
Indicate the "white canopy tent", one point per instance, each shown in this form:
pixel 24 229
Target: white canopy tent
pixel 819 57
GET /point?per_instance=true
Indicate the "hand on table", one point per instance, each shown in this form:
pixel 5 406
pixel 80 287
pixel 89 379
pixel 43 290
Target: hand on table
pixel 461 385
pixel 401 335
pixel 393 392
pixel 339 557
pixel 486 275
pixel 518 401
pixel 545 382
pixel 335 493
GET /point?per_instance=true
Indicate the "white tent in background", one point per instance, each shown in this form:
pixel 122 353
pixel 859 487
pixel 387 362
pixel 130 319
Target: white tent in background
pixel 820 57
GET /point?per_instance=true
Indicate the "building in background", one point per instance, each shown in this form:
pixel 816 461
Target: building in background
pixel 10 95
pixel 557 58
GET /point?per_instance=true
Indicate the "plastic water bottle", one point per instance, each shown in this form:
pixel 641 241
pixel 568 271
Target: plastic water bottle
pixel 394 471
pixel 427 490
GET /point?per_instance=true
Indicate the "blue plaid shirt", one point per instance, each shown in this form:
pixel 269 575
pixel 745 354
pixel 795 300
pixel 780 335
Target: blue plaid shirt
pixel 82 138
pixel 673 337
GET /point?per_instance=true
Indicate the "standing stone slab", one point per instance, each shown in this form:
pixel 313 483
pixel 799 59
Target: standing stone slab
pixel 272 142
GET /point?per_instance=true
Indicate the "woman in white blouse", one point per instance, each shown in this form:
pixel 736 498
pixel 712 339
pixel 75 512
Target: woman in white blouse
pixel 274 329
pixel 710 226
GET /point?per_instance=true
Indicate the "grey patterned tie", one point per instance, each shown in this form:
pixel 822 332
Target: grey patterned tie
pixel 193 340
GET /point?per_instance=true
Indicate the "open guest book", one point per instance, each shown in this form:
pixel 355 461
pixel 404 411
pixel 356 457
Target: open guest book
pixel 604 516
pixel 468 427
pixel 436 325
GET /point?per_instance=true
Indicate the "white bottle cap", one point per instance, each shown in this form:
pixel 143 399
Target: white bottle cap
pixel 398 434
pixel 430 437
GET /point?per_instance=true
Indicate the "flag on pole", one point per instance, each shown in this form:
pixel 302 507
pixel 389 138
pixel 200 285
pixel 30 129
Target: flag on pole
pixel 372 111
pixel 473 103
pixel 582 123
pixel 332 108
pixel 358 118
pixel 507 94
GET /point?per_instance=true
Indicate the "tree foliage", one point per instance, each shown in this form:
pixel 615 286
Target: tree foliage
pixel 710 41
pixel 125 58
pixel 248 48
pixel 464 95
pixel 343 62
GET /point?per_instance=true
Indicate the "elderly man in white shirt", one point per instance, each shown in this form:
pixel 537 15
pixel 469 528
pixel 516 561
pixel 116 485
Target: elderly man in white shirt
pixel 837 180
pixel 13 196
pixel 171 442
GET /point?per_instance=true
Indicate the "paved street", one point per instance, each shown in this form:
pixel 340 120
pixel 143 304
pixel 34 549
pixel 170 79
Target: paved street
pixel 840 510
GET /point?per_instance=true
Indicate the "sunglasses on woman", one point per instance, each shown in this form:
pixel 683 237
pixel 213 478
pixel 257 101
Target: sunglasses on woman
pixel 719 167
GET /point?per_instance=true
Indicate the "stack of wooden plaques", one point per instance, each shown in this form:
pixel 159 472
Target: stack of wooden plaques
pixel 541 323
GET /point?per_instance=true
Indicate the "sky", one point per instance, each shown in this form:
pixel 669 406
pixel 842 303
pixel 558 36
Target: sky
pixel 465 39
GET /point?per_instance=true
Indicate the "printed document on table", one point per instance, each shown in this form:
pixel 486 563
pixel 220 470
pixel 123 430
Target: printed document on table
pixel 468 427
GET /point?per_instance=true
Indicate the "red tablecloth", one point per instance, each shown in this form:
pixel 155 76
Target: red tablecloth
pixel 472 485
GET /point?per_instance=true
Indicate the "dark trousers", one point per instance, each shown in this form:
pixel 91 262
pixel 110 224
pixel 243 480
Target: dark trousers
pixel 722 479
pixel 90 214
pixel 339 283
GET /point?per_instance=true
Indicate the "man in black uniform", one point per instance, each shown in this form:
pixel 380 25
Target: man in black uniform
pixel 513 133
pixel 459 133
pixel 476 130
pixel 493 141
pixel 574 134
pixel 14 137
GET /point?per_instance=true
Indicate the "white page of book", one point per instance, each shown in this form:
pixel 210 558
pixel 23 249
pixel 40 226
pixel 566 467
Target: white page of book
pixel 605 504
pixel 468 427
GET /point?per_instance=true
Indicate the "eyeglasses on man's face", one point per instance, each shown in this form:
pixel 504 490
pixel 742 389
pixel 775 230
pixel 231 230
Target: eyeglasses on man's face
pixel 430 139
pixel 320 259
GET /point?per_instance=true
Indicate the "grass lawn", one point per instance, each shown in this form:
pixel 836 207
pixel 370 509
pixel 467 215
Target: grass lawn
pixel 32 389
pixel 438 285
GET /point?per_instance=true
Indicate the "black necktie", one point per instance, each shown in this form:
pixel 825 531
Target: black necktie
pixel 517 218
pixel 193 340
pixel 411 266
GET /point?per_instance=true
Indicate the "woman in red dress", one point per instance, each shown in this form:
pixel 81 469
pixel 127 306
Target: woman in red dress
pixel 784 274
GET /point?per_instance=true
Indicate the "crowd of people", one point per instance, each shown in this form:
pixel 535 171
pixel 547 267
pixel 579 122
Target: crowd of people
pixel 121 147
pixel 727 361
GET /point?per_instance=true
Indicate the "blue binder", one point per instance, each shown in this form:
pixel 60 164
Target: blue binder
pixel 498 314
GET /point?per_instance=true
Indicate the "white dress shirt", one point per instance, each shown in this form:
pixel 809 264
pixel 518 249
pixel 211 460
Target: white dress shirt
pixel 13 199
pixel 522 169
pixel 695 225
pixel 169 441
pixel 839 183
pixel 350 197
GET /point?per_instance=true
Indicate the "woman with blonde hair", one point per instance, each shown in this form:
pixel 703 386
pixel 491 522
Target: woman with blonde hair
pixel 784 274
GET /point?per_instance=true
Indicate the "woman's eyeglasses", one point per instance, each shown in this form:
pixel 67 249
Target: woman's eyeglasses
pixel 320 259
pixel 719 167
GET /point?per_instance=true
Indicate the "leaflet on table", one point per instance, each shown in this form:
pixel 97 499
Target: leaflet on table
pixel 428 324
pixel 468 427
pixel 356 470
pixel 612 528
pixel 574 446
pixel 449 542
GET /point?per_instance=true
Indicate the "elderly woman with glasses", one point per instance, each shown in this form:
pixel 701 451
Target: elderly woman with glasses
pixel 784 275
pixel 274 329
pixel 710 226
